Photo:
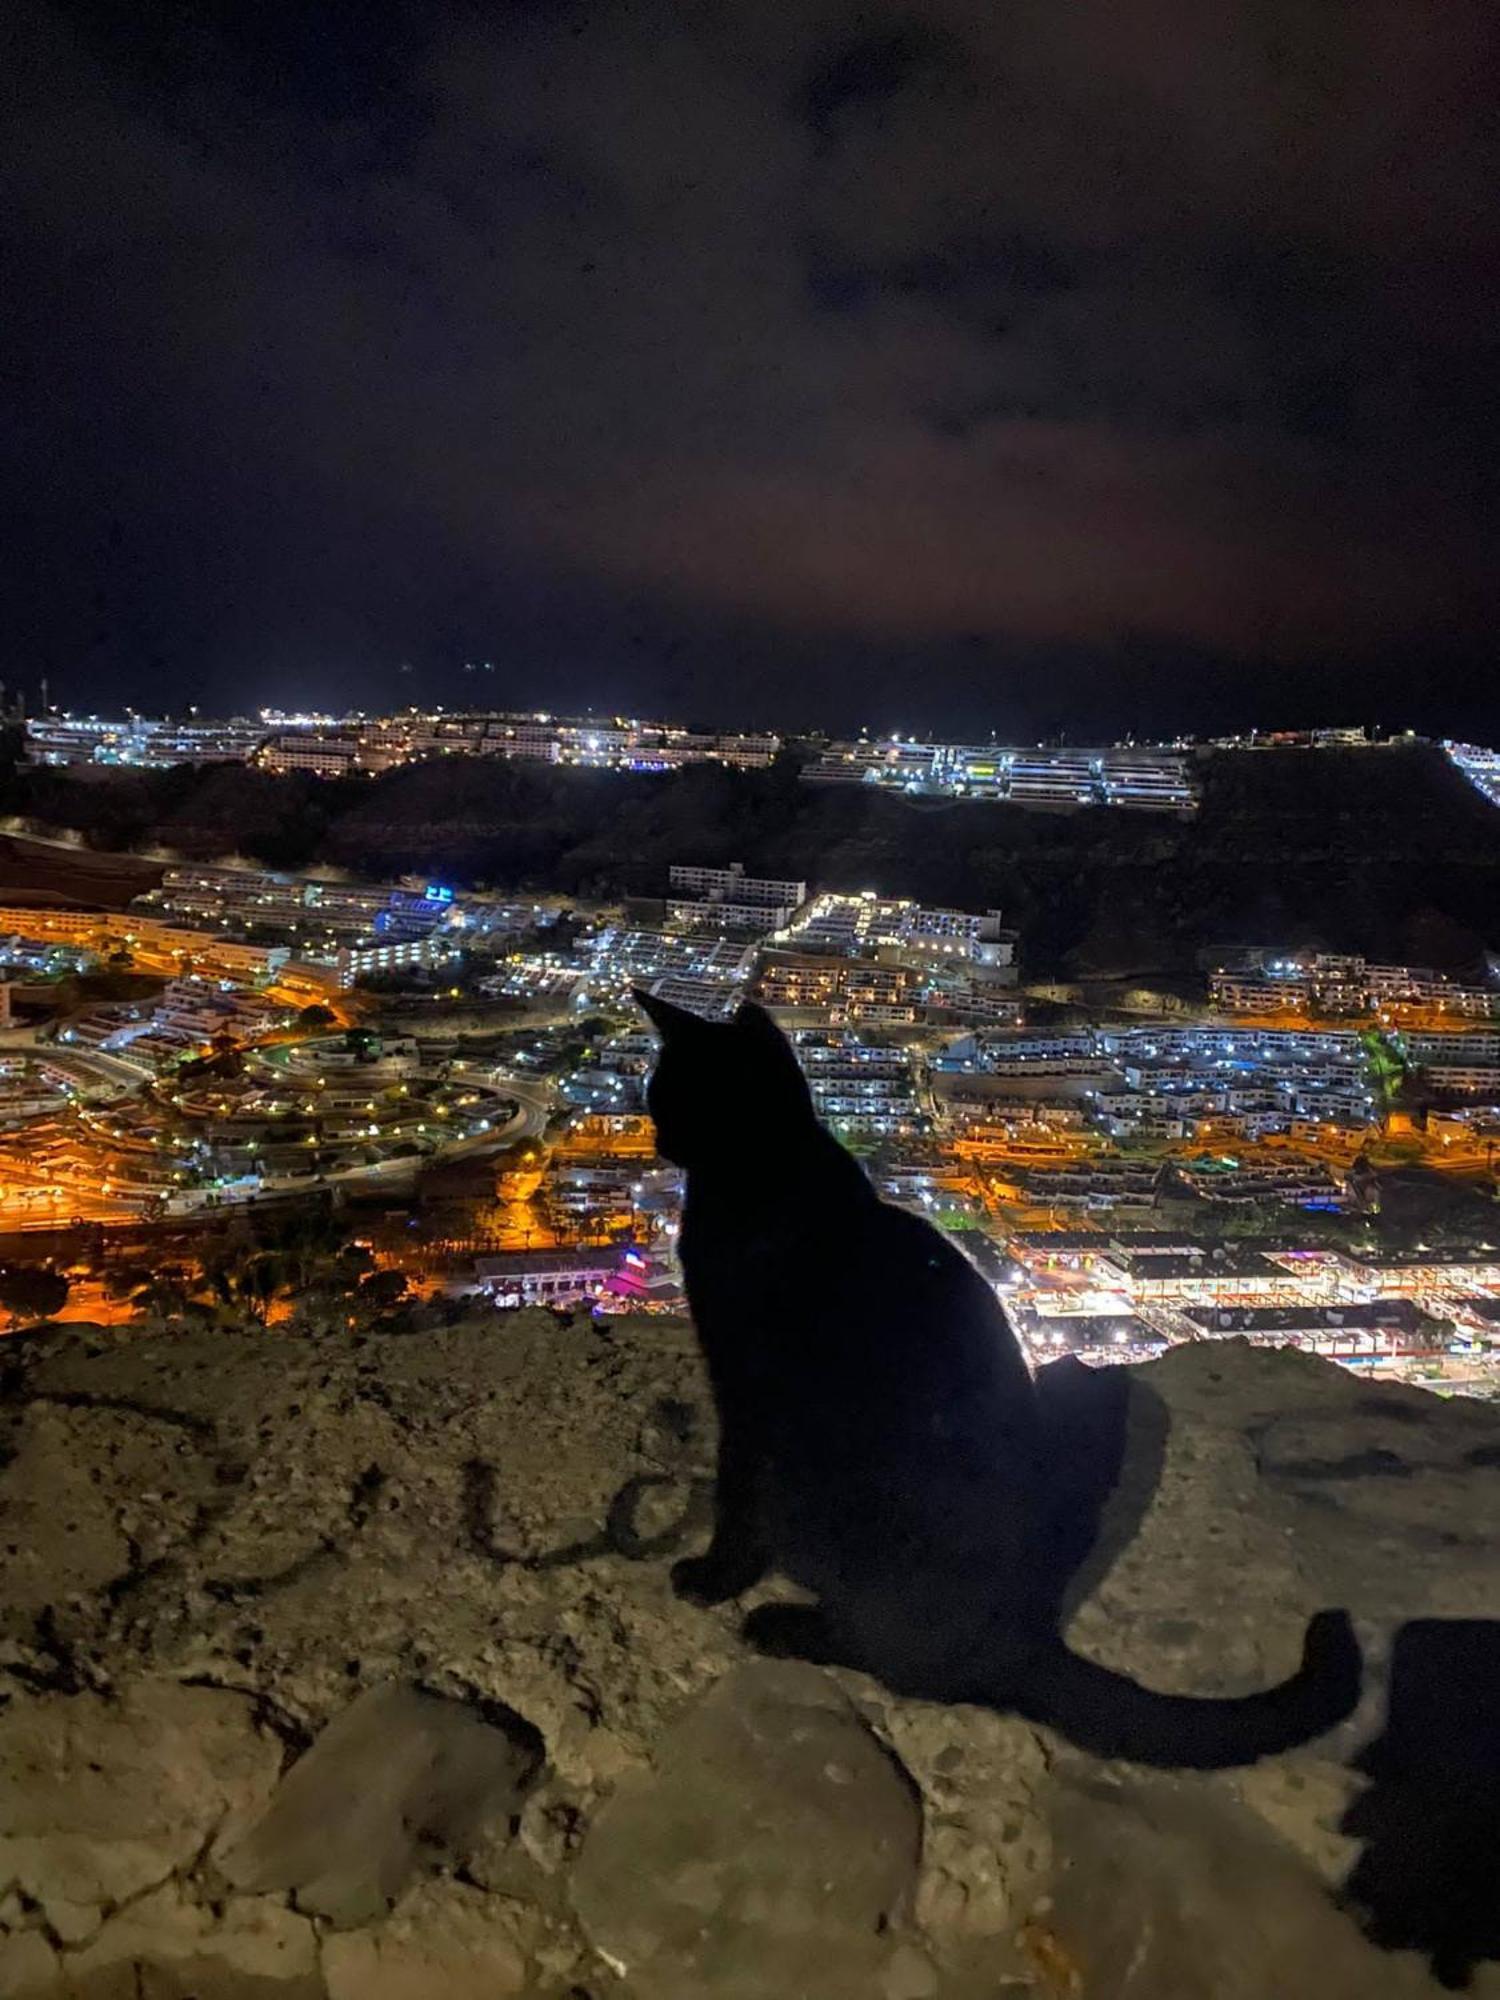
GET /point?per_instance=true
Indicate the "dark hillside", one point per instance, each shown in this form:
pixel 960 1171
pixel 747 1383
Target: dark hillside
pixel 1385 851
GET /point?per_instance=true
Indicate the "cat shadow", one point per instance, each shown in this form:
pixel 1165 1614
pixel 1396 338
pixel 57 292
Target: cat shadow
pixel 1428 1875
pixel 1105 1442
pixel 1428 1878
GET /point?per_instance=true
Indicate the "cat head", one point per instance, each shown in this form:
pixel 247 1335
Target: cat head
pixel 722 1090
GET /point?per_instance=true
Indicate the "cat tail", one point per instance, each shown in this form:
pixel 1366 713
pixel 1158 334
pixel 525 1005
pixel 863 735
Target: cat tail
pixel 1111 1716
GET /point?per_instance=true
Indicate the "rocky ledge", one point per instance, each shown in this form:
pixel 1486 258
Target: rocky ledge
pixel 348 1666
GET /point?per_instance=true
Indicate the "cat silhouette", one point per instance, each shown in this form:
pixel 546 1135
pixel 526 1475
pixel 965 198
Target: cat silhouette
pixel 881 1442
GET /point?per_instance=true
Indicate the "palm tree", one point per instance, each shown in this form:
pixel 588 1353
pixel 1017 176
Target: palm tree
pixel 305 1241
pixel 165 1296
pixel 249 1284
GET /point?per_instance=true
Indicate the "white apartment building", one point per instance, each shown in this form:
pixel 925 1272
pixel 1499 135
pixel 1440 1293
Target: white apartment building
pixel 794 982
pixel 968 1002
pixel 904 765
pixel 517 736
pixel 916 924
pixel 1467 1079
pixel 1480 767
pixel 732 885
pixel 346 965
pixel 875 1013
pixel 598 746
pixel 1436 1050
pixel 834 922
pixel 749 918
pixel 1147 780
pixel 623 955
pixel 1052 778
pixel 141 742
pixel 1239 993
pixel 1058 778
pixel 80 927
pixel 325 756
pixel 1264 978
pixel 712 998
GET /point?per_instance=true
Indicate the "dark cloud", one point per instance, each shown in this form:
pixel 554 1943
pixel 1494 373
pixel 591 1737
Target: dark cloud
pixel 866 71
pixel 1030 354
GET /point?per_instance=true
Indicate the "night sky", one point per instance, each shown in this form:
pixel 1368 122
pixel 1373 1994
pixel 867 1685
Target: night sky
pixel 1126 364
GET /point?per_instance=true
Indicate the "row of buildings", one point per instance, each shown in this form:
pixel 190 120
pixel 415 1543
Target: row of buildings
pixel 141 742
pixel 1161 1082
pixel 1139 777
pixel 313 962
pixel 204 893
pixel 721 936
pixel 93 935
pixel 830 960
pixel 1142 778
pixel 614 743
pixel 891 962
pixel 1145 1290
pixel 1149 777
pixel 1270 979
pixel 727 899
pixel 867 1090
pixel 330 747
pixel 1480 767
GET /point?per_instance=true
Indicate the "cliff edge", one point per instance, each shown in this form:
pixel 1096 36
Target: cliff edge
pixel 345 1664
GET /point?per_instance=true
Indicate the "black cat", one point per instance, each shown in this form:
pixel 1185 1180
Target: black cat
pixel 880 1437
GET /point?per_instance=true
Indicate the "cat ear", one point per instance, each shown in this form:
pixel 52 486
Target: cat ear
pixel 665 1017
pixel 755 1021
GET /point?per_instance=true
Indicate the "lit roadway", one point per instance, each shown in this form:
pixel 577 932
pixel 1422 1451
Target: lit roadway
pixel 44 1192
pixel 535 1099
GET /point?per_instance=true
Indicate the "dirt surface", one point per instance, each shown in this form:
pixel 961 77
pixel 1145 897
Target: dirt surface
pixel 346 1663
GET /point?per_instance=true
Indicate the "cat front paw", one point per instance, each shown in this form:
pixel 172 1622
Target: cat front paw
pixel 706 1580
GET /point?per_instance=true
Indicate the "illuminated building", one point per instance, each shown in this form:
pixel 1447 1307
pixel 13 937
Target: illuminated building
pixel 1465 1079
pixel 899 930
pixel 859 1087
pixel 546 1277
pixel 1165 1081
pixel 729 899
pixel 1146 778
pixel 324 756
pixel 1480 767
pixel 351 963
pixel 622 957
pixel 140 742
pixel 712 998
pixel 793 982
pixel 1271 980
pixel 1381 1327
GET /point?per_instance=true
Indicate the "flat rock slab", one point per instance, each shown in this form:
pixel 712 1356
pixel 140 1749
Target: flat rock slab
pixel 764 1856
pixel 1166 1890
pixel 398 1774
pixel 442 1942
pixel 102 1799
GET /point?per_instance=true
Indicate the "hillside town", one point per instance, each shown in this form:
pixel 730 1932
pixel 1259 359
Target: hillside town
pixel 1300 1151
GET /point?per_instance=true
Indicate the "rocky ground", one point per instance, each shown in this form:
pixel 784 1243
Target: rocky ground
pixel 348 1666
